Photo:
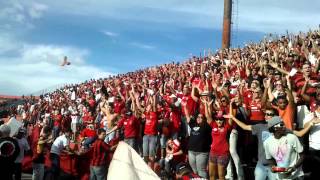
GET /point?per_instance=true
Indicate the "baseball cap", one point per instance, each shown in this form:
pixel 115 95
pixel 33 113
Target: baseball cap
pixel 182 167
pixel 274 121
pixel 5 130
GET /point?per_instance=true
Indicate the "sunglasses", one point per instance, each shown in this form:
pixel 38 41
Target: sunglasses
pixel 223 100
pixel 220 120
pixel 279 125
pixel 269 114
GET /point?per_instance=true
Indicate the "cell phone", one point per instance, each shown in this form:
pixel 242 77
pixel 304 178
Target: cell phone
pixel 278 169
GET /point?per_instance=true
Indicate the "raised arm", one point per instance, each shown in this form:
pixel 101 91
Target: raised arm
pixel 270 95
pixel 290 96
pixel 188 117
pixel 207 108
pixel 275 66
pixel 193 96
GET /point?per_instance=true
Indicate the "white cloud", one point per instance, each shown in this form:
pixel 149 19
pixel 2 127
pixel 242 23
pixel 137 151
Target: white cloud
pixel 38 67
pixel 142 45
pixel 8 43
pixel 20 14
pixel 36 10
pixel 52 54
pixel 110 34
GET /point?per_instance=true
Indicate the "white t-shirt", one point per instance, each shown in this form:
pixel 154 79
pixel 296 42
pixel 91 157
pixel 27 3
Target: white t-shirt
pixel 285 151
pixel 75 119
pixel 314 135
pixel 24 146
pixel 73 95
pixel 59 144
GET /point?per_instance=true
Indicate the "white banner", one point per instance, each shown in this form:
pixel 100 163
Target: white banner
pixel 126 164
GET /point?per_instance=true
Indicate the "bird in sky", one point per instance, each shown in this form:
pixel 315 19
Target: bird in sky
pixel 65 61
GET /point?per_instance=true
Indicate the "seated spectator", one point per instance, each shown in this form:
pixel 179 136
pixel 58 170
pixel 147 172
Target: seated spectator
pixel 174 155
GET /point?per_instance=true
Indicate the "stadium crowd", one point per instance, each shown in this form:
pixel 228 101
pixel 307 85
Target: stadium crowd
pixel 209 117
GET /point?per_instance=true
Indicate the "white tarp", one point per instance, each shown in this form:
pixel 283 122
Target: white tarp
pixel 126 164
pixel 14 126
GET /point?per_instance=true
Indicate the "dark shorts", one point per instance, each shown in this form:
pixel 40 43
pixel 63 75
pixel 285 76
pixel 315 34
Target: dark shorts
pixel 219 159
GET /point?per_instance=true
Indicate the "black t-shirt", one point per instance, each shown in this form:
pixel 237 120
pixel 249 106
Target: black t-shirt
pixel 200 137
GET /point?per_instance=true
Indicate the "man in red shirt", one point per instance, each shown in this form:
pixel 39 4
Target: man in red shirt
pixel 131 126
pixel 88 135
pixel 98 163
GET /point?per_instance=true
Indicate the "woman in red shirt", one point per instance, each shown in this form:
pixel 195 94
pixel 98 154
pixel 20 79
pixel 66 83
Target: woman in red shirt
pixel 219 152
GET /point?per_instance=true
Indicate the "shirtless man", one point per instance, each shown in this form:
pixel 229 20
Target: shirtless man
pixel 108 121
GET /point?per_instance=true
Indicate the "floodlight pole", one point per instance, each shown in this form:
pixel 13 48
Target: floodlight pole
pixel 226 32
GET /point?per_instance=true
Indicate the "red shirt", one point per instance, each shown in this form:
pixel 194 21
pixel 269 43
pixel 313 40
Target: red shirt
pixel 256 113
pixel 219 144
pixel 178 158
pixel 99 153
pixel 175 120
pixel 191 176
pixel 57 119
pixel 150 127
pixel 88 133
pixel 299 81
pixel 190 103
pixel 92 102
pixel 118 106
pixel 86 119
pixel 131 126
pixel 247 96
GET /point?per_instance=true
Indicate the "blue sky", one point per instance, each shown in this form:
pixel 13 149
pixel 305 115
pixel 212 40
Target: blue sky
pixel 110 37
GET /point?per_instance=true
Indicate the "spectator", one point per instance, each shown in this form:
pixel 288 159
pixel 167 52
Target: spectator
pixel 108 120
pixel 219 152
pixel 24 147
pixel 9 151
pixel 199 144
pixel 61 144
pixel 183 172
pixel 174 155
pixel 284 150
pixel 88 135
pixel 131 128
pixel 314 140
pixel 235 102
pixel 39 151
pixel 98 163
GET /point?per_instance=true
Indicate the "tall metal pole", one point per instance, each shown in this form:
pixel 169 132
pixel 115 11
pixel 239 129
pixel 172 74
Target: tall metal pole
pixel 226 23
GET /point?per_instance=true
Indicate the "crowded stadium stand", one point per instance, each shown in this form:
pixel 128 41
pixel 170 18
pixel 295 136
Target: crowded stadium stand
pixel 241 113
